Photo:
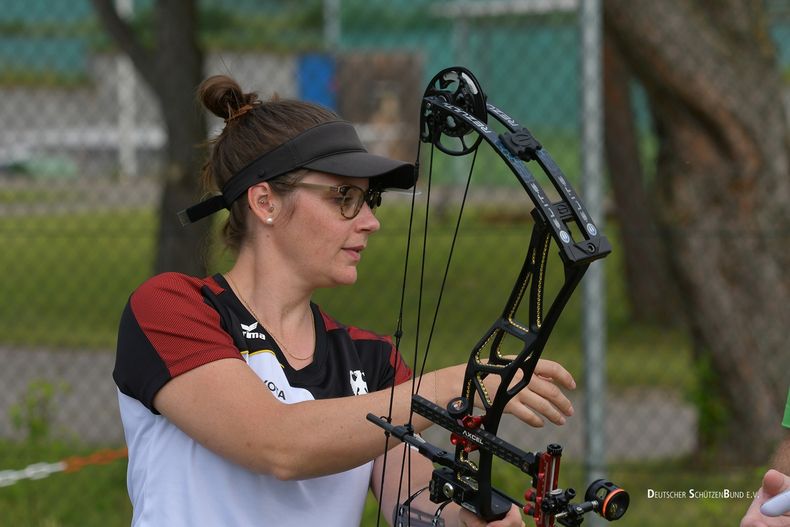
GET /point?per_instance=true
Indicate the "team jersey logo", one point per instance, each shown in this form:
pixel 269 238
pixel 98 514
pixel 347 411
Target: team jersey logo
pixel 250 333
pixel 358 384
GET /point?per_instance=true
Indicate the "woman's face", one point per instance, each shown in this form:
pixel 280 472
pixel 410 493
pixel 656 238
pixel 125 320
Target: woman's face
pixel 323 247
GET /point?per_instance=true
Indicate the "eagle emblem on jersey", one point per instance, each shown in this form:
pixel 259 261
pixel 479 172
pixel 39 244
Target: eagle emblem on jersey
pixel 358 384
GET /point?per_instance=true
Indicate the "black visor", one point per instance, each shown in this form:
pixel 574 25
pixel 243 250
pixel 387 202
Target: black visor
pixel 333 148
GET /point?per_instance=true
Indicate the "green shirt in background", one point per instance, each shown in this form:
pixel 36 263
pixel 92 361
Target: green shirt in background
pixel 786 420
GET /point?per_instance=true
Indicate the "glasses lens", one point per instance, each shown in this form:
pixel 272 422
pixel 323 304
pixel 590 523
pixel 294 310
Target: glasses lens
pixel 353 198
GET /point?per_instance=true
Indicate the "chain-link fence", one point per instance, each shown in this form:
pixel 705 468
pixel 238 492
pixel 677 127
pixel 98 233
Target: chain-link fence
pixel 83 158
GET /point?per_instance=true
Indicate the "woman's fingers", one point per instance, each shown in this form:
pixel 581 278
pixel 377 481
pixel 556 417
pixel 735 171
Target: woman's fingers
pixel 549 394
pixel 531 408
pixel 524 414
pixel 543 397
pixel 554 370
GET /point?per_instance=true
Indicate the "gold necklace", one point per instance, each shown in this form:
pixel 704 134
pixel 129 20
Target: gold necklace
pixel 279 342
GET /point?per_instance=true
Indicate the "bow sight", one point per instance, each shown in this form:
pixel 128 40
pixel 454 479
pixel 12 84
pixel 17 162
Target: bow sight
pixel 454 119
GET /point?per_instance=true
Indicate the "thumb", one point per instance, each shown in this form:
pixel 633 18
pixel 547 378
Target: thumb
pixel 775 482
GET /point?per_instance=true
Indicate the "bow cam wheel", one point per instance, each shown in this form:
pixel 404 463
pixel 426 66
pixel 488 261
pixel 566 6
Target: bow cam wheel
pixel 458 87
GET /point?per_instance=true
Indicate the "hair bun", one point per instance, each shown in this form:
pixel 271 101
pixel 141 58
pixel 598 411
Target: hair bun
pixel 222 96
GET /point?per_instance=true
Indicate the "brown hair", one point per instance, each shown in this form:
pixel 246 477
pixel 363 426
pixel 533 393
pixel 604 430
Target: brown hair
pixel 252 128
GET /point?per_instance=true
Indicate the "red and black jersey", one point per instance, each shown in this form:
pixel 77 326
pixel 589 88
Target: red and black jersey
pixel 174 323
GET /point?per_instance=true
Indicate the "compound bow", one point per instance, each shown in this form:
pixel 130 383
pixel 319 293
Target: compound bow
pixel 454 119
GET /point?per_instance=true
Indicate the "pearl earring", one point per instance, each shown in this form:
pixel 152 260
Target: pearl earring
pixel 269 221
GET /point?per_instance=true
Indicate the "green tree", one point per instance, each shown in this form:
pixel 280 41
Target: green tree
pixel 722 181
pixel 172 66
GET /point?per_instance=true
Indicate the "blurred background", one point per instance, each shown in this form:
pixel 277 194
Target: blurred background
pixel 670 116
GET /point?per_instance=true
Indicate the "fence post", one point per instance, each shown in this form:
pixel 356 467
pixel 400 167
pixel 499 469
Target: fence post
pixel 594 291
pixel 127 107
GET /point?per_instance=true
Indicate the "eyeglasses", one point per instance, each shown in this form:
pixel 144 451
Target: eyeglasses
pixel 350 197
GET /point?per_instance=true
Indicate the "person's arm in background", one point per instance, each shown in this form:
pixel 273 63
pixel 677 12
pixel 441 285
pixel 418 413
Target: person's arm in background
pixel 774 482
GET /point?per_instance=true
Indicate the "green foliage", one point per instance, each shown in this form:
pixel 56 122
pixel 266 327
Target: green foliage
pixel 280 27
pixel 380 16
pixel 34 414
pixel 93 496
pixel 705 394
pixel 18 76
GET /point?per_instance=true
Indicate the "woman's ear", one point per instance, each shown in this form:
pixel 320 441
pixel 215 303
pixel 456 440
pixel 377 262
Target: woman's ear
pixel 263 203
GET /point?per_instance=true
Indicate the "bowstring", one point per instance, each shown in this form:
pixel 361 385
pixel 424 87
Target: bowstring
pixel 398 336
pixel 407 451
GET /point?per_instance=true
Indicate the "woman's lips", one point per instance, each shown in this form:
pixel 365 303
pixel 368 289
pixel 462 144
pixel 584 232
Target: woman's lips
pixel 354 252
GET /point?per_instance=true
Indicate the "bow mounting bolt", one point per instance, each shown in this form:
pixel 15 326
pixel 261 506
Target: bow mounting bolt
pixel 448 490
pixel 458 408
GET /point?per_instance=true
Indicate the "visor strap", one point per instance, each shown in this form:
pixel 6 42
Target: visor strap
pixel 201 210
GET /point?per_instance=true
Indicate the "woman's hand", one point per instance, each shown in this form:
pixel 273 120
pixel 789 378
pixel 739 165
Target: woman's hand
pixel 513 519
pixel 543 397
pixel 774 482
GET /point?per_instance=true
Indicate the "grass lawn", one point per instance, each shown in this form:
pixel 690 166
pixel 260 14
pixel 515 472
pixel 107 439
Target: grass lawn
pixel 92 497
pixel 68 276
